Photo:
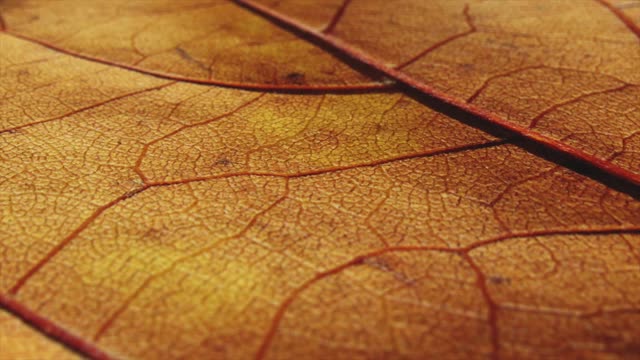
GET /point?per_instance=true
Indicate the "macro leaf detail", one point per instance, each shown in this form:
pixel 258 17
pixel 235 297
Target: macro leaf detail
pixel 319 179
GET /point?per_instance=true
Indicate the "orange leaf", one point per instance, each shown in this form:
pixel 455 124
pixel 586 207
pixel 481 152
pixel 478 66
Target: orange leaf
pixel 210 42
pixel 19 341
pixel 191 180
pixel 430 71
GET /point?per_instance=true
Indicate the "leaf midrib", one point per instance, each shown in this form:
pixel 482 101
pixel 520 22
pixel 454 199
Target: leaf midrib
pixel 625 180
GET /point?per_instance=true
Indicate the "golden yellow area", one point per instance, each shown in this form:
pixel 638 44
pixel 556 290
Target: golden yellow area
pixel 154 218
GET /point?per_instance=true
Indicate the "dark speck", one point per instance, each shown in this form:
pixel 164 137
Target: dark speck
pixel 295 78
pixel 223 161
pixel 499 280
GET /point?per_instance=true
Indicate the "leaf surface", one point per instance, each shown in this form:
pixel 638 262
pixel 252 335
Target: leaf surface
pixel 213 42
pixel 19 341
pixel 494 60
pixel 146 216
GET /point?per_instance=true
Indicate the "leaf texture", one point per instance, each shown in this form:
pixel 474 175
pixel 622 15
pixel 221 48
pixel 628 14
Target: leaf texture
pixel 460 68
pixel 212 42
pixel 148 213
pixel 19 341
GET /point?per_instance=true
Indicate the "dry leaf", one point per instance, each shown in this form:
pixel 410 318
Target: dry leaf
pixel 320 179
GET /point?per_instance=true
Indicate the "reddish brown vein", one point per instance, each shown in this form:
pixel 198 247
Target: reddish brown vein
pixel 332 169
pixel 69 238
pixel 472 29
pixel 145 148
pixel 79 344
pixel 50 329
pixel 337 17
pixel 61 245
pixel 630 24
pixel 488 81
pixel 266 342
pixel 536 119
pixel 373 86
pixel 127 303
pixel 484 116
pixel 85 347
pixel 15 128
pixel 463 251
pixel 492 307
pixel 147 185
pixel 3 24
pixel 46 326
pixel 605 230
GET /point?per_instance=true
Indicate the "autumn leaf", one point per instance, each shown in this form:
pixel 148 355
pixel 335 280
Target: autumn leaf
pixel 320 179
pixel 19 341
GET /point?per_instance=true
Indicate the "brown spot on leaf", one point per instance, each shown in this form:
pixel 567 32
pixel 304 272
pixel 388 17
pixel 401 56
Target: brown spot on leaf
pixel 499 280
pixel 223 162
pixel 295 78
